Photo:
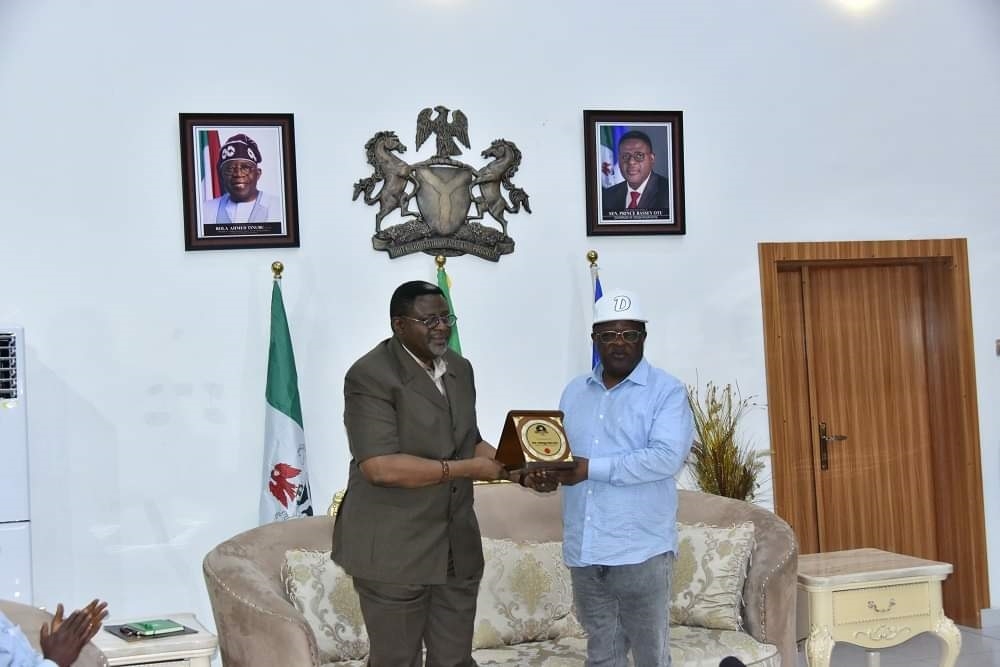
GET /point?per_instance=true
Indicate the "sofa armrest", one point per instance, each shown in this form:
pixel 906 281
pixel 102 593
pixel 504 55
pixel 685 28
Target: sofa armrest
pixel 769 594
pixel 258 630
pixel 31 619
pixel 256 623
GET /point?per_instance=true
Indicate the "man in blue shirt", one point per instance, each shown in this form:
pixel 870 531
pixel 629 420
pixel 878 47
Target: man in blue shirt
pixel 61 640
pixel 630 428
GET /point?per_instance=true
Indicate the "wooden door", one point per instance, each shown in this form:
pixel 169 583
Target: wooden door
pixel 866 356
pixel 873 339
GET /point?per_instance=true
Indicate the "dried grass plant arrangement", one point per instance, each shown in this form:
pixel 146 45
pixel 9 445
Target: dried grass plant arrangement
pixel 721 462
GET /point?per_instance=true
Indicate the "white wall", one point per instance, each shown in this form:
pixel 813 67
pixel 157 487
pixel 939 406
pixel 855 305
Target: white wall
pixel 146 363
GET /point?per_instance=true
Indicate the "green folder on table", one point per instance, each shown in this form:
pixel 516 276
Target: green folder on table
pixel 160 626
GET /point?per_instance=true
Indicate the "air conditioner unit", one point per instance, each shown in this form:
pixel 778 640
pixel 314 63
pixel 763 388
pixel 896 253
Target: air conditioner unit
pixel 15 515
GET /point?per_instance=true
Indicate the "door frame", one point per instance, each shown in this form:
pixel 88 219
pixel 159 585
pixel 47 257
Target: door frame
pixel 958 500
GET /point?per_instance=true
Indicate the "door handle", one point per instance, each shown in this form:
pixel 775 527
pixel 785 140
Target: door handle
pixel 824 440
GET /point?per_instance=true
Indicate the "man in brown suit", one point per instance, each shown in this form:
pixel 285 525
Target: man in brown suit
pixel 406 531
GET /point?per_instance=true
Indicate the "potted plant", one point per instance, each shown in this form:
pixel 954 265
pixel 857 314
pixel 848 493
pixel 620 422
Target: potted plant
pixel 721 462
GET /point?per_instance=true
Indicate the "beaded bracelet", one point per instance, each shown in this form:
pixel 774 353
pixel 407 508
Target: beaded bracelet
pixel 445 471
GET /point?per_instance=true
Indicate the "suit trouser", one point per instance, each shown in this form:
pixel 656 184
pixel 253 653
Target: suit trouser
pixel 400 618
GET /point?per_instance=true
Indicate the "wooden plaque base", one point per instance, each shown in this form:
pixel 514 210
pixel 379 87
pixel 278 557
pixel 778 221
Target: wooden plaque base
pixel 534 440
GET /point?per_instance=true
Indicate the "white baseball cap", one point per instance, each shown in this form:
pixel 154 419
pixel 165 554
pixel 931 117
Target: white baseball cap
pixel 618 304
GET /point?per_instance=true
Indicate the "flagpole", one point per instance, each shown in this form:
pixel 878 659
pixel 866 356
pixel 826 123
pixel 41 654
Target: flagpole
pixel 595 289
pixel 277 268
pixel 444 283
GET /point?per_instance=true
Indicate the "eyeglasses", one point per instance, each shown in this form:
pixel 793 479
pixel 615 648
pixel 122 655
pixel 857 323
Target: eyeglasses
pixel 231 168
pixel 632 157
pixel 630 336
pixel 434 320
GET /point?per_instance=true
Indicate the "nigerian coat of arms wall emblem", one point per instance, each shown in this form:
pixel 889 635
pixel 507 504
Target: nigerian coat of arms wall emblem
pixel 443 202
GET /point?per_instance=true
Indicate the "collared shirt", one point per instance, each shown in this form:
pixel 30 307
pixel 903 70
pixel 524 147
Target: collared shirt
pixel 641 189
pixel 16 650
pixel 636 437
pixel 435 372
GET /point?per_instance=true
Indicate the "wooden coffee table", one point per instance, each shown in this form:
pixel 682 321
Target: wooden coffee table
pixel 871 598
pixel 189 650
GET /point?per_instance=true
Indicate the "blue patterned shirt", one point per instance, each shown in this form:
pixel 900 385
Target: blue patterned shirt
pixel 636 437
pixel 16 650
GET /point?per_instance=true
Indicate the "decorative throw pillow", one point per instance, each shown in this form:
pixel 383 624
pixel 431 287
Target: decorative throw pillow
pixel 525 595
pixel 709 572
pixel 325 595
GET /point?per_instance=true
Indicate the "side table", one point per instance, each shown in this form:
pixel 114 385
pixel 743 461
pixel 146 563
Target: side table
pixel 169 651
pixel 871 598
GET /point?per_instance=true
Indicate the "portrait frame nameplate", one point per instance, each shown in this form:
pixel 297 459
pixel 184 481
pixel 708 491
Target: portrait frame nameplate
pixel 252 202
pixel 652 145
pixel 534 440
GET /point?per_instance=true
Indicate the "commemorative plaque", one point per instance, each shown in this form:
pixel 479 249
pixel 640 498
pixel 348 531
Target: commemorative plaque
pixel 534 440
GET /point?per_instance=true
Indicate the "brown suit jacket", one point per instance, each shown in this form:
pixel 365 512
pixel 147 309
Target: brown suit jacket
pixel 398 535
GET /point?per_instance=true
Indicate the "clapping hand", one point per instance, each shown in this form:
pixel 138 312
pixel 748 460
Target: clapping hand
pixel 62 640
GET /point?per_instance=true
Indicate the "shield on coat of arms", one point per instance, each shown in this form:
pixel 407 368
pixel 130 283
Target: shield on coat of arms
pixel 444 190
pixel 443 196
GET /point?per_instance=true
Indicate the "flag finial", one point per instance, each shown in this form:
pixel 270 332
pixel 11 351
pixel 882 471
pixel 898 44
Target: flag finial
pixel 440 260
pixel 276 269
pixel 592 257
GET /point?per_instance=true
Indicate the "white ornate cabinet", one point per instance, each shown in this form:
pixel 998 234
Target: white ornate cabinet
pixel 871 598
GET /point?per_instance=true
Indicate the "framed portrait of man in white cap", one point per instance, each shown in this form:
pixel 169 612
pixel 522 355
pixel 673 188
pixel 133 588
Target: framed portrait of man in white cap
pixel 238 181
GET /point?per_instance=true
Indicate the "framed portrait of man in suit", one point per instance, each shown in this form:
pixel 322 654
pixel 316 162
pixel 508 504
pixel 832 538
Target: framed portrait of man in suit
pixel 238 181
pixel 634 172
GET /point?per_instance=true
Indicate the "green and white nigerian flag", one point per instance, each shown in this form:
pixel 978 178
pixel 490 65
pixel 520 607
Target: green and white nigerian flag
pixel 607 155
pixel 444 283
pixel 285 493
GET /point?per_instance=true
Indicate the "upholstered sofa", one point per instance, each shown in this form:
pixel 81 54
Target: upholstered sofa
pixel 277 599
pixel 31 619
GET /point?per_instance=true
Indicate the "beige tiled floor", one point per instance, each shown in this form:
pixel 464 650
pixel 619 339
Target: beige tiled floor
pixel 980 648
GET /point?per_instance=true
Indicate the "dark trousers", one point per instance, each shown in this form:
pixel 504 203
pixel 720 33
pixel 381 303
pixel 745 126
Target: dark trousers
pixel 403 618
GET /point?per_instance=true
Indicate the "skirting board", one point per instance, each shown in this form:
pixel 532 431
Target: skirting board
pixel 990 617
